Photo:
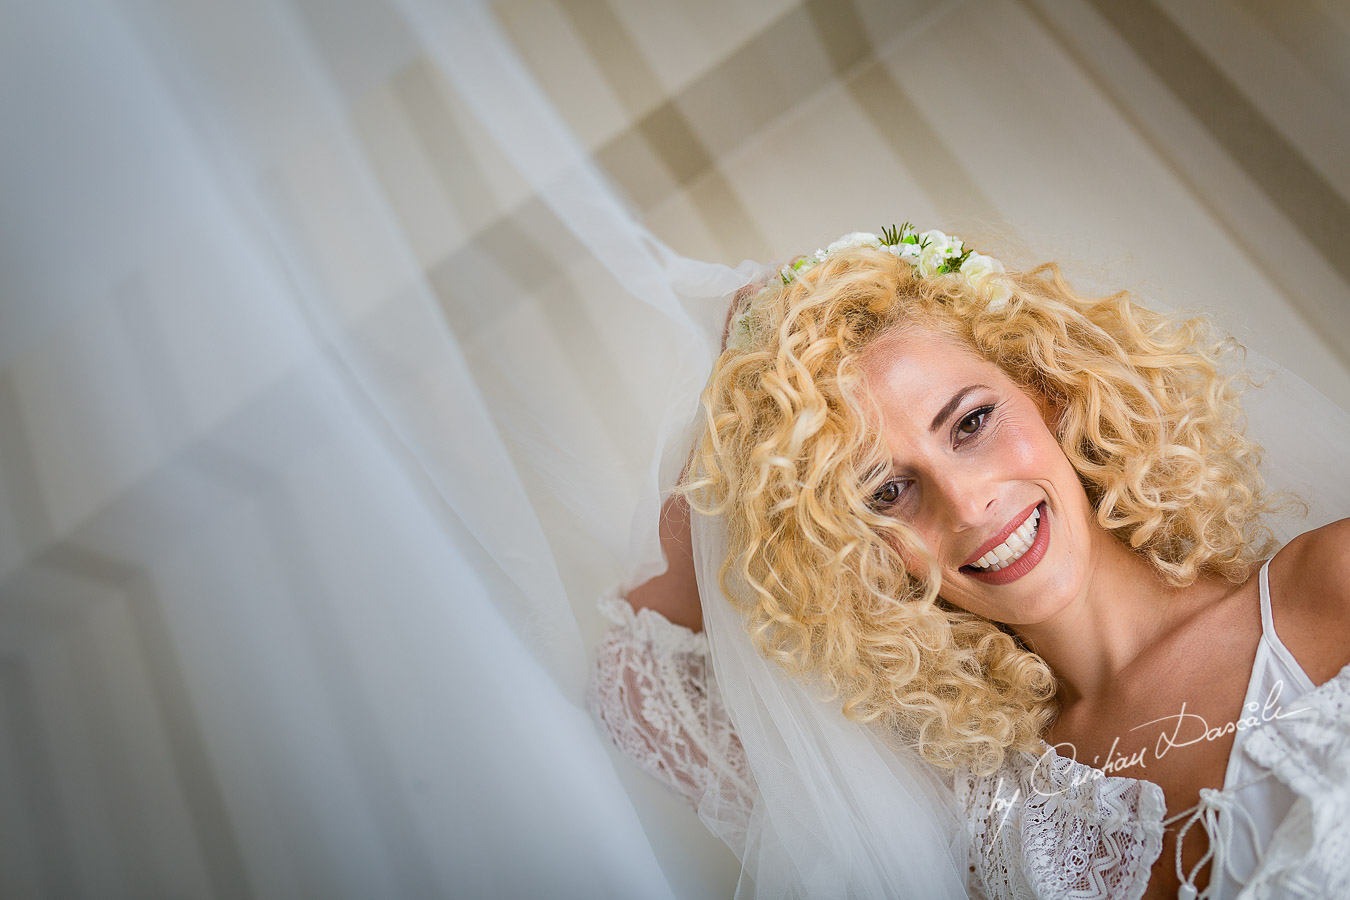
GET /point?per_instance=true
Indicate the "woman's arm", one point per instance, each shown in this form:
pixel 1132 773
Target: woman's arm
pixel 673 593
pixel 651 690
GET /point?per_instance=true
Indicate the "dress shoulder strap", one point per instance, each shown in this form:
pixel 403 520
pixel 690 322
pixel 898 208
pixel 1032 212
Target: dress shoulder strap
pixel 1267 618
pixel 1284 661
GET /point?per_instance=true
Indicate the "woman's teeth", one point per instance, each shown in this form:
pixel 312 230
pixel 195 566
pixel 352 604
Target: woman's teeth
pixel 1011 550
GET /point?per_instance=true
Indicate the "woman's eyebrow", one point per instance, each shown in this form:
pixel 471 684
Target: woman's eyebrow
pixel 951 406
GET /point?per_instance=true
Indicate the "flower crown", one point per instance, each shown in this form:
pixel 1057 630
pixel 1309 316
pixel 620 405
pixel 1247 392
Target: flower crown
pixel 930 253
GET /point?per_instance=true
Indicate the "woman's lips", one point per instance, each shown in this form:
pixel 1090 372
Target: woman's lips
pixel 1026 562
pixel 1002 535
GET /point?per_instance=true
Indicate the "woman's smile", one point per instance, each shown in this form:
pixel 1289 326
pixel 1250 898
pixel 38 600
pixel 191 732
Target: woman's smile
pixel 1013 552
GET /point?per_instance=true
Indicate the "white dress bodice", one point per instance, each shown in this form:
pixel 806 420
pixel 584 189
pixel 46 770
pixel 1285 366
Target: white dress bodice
pixel 1046 827
pixel 1054 827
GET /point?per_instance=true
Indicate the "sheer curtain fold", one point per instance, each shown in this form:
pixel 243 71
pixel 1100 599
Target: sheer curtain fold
pixel 308 548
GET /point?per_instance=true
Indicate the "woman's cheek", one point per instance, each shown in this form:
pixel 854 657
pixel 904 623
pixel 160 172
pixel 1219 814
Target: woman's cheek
pixel 1019 444
pixel 912 553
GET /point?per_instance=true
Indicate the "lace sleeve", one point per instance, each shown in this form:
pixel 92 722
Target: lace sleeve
pixel 652 693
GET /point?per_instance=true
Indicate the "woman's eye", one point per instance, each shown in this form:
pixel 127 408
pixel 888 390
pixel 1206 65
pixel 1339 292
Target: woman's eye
pixel 971 423
pixel 888 493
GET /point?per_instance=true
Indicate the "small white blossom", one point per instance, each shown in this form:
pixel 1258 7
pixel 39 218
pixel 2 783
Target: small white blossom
pixel 946 246
pixel 937 248
pixel 908 252
pixel 849 241
pixel 982 274
pixel 977 268
pixel 931 259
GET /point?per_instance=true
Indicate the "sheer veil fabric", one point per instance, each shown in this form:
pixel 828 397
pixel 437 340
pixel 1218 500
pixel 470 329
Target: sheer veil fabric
pixel 837 812
pixel 316 446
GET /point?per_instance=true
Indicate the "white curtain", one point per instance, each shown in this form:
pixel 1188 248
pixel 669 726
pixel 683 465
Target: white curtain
pixel 339 373
pixel 292 532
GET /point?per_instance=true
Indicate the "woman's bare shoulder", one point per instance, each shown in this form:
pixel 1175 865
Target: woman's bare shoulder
pixel 1310 599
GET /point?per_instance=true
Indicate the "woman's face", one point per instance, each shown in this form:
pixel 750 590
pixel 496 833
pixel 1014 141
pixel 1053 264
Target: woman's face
pixel 977 472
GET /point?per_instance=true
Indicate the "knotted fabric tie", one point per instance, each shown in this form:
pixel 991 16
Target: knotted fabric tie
pixel 1215 812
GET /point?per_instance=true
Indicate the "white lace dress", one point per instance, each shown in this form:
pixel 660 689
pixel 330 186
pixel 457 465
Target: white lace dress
pixel 1040 828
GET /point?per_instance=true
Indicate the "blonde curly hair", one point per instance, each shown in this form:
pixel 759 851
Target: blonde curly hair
pixel 1147 414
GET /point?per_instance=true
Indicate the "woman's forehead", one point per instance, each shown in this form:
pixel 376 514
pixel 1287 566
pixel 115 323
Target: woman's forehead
pixel 917 367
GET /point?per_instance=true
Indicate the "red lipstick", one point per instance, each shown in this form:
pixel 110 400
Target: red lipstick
pixel 1002 535
pixel 1026 562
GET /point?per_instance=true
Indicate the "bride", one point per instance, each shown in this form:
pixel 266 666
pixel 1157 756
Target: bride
pixel 1018 537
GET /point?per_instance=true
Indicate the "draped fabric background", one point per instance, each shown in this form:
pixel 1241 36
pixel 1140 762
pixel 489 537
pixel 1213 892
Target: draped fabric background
pixel 332 385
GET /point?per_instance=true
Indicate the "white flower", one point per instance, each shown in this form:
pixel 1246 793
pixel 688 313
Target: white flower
pixel 947 246
pixel 849 241
pixel 931 259
pixel 977 268
pixel 937 248
pixel 982 272
pixel 801 266
pixel 908 252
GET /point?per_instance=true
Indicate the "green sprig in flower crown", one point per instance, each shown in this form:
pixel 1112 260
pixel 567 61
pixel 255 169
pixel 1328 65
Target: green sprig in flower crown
pixel 931 253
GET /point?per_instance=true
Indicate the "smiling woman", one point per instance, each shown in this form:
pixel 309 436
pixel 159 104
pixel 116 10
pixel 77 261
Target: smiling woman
pixel 869 375
pixel 985 512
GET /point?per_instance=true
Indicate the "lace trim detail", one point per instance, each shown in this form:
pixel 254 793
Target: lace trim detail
pixel 649 625
pixel 1051 827
pixel 650 691
pixel 1309 853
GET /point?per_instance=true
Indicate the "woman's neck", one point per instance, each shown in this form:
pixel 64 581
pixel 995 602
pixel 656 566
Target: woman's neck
pixel 1125 608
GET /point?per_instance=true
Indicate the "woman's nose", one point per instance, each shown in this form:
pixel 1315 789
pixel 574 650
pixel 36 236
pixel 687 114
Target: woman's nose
pixel 970 498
